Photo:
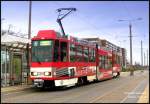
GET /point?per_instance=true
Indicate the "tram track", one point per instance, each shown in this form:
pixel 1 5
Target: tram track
pixel 85 93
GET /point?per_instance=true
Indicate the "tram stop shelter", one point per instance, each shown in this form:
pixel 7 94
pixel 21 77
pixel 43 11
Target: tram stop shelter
pixel 14 57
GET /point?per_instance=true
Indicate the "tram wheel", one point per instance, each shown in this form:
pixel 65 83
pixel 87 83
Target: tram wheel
pixel 118 74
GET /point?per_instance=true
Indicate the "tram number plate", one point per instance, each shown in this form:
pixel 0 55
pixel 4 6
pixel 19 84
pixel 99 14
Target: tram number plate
pixel 38 80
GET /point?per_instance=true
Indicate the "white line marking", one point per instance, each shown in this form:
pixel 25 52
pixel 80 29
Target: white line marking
pixel 133 90
pixel 107 93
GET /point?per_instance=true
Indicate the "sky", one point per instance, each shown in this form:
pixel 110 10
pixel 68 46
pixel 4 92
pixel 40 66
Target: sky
pixel 92 19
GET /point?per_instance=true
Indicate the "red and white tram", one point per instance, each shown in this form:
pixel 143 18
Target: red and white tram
pixel 67 61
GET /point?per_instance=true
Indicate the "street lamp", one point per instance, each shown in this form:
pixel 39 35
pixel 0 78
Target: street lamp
pixel 130 31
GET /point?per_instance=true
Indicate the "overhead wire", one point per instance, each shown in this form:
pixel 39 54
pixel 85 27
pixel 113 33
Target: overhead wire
pixel 83 17
pixel 90 23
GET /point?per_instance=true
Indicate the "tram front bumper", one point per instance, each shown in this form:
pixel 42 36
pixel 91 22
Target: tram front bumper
pixel 38 83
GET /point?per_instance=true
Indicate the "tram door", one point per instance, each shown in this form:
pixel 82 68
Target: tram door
pixel 17 77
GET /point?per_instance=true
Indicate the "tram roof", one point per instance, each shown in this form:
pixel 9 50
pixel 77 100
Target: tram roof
pixel 52 34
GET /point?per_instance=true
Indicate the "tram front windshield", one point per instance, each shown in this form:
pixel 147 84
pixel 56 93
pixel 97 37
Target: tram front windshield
pixel 42 50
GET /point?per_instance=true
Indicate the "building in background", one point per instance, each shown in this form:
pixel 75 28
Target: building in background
pixel 106 45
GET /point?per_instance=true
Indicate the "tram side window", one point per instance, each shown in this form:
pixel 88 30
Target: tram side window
pixel 100 63
pixel 106 62
pixel 63 50
pixel 72 53
pixel 56 51
pixel 92 55
pixel 114 58
pixel 79 53
pixel 118 59
pixel 103 62
pixel 109 62
pixel 86 54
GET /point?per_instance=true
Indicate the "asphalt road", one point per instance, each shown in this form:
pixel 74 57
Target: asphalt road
pixel 124 89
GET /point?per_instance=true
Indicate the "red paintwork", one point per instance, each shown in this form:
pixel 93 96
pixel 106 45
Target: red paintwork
pixel 45 34
pixel 118 67
pixel 52 78
pixel 81 71
pixel 61 64
pixel 105 73
pixel 58 78
pixel 102 52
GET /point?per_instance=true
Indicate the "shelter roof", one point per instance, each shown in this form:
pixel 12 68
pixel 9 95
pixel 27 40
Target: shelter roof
pixel 14 42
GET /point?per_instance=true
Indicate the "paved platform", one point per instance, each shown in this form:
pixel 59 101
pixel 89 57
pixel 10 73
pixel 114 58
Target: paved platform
pixel 144 98
pixel 15 88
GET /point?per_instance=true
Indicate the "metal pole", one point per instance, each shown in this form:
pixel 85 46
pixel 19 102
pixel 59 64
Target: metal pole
pixel 5 66
pixel 29 27
pixel 131 68
pixel 28 45
pixel 96 61
pixel 130 26
pixel 130 29
pixel 147 57
pixel 144 59
pixel 141 54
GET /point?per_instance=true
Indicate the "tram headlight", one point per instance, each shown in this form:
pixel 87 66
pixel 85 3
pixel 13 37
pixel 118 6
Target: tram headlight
pixel 47 73
pixel 34 73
